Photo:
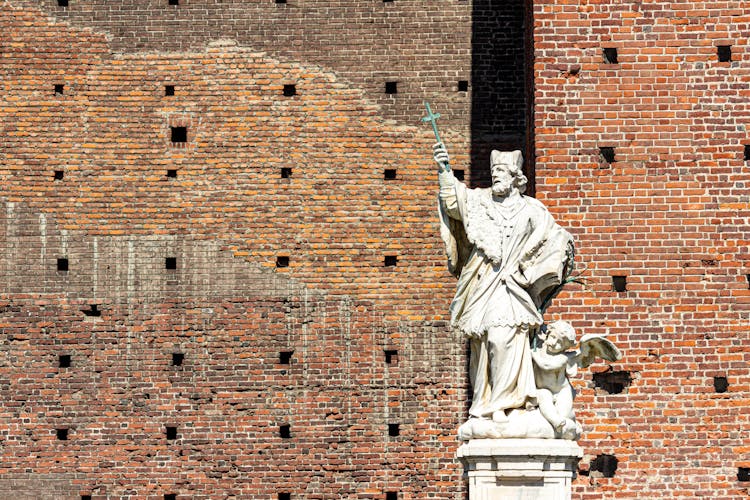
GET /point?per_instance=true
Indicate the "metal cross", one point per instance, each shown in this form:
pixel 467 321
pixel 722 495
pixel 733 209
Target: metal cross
pixel 432 118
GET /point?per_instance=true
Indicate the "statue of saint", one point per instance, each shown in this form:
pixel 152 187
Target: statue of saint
pixel 510 258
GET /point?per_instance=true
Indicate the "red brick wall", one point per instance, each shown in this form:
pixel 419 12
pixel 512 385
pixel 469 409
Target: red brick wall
pixel 226 217
pixel 670 214
pixel 424 46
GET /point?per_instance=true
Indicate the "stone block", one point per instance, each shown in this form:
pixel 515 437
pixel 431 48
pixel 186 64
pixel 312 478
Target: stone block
pixel 520 469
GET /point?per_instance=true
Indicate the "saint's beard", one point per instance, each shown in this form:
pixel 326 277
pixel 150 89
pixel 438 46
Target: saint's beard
pixel 502 187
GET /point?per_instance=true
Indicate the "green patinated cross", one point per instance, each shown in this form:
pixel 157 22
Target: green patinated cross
pixel 432 118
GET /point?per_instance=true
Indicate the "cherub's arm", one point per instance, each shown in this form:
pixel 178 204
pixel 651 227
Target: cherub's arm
pixel 539 358
pixel 536 355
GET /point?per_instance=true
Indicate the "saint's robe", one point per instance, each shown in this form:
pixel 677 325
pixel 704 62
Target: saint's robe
pixel 509 258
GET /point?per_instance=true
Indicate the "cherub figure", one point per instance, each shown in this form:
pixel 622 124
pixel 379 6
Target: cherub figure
pixel 553 366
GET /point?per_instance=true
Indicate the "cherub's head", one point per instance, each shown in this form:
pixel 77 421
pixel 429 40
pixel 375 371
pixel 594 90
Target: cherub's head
pixel 560 337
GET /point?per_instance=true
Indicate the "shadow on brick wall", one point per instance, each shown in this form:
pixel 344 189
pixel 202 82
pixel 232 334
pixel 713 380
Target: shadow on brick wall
pixel 501 84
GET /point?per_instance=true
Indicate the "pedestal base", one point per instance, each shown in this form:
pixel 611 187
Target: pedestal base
pixel 520 469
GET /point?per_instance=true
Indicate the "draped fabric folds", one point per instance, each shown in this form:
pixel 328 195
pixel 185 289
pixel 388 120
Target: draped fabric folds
pixel 509 256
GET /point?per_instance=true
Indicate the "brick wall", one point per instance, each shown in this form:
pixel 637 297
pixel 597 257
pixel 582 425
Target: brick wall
pixel 423 46
pixel 90 174
pixel 429 49
pixel 670 215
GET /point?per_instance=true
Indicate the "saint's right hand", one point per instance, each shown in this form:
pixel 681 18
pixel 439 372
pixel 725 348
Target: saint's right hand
pixel 440 154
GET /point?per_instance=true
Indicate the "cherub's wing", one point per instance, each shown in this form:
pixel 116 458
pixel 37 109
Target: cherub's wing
pixel 597 346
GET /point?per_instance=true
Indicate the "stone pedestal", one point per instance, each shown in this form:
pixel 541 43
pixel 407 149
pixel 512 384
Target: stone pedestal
pixel 520 469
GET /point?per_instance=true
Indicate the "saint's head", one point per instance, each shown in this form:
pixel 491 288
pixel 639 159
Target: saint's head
pixel 507 172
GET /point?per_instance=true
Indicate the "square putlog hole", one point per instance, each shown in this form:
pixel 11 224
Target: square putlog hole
pixel 391 87
pixel 59 175
pixel 170 263
pixel 62 3
pixel 612 382
pixel 390 260
pixel 178 134
pixel 721 384
pixel 169 90
pixel 174 2
pixel 391 356
pixel 284 496
pixel 286 172
pixel 171 433
pixel 619 283
pixel 290 90
pixel 172 173
pixel 746 156
pixel 389 174
pixel 282 261
pixel 93 311
pixel 170 496
pixel 463 85
pixel 59 89
pixel 178 358
pixel 391 495
pixel 281 1
pixel 743 474
pixel 394 430
pixel 607 153
pixel 285 431
pixel 285 357
pixel 605 464
pixel 63 361
pixel 458 174
pixel 724 53
pixel 609 55
pixel 85 497
pixel 62 264
pixel 62 434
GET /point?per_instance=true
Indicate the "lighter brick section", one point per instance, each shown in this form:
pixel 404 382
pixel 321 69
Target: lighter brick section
pixel 118 268
pixel 37 486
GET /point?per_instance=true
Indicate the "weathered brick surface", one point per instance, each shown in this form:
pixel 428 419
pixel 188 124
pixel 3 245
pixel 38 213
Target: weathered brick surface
pixel 225 217
pixel 424 46
pixel 671 214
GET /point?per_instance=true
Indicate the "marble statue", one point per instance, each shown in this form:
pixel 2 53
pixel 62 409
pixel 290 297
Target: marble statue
pixel 554 364
pixel 510 258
